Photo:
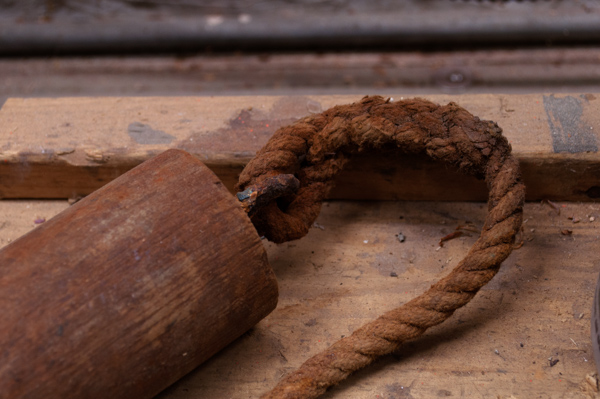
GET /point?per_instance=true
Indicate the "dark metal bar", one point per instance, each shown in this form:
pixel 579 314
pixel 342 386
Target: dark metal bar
pixel 243 25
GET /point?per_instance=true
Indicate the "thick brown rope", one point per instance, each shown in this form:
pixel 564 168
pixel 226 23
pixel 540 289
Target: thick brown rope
pixel 315 148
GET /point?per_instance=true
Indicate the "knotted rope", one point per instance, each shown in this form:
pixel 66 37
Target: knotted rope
pixel 315 148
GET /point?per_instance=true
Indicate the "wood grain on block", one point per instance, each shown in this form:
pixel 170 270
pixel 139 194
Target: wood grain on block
pixel 66 147
pixel 131 288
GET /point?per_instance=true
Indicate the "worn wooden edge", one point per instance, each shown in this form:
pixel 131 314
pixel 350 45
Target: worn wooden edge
pixel 69 147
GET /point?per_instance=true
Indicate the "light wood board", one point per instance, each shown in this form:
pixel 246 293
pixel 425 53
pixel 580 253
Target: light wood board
pixel 67 147
pixel 340 276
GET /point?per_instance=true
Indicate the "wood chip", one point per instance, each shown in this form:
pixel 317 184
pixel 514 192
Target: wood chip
pixel 592 380
pixel 552 205
pixel 450 236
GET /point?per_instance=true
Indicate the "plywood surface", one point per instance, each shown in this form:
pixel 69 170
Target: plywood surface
pixel 65 147
pixel 352 267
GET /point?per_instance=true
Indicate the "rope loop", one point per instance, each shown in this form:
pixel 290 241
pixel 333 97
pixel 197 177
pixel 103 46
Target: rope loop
pixel 309 153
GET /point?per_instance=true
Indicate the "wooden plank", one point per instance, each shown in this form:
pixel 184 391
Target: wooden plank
pixel 65 147
pixel 531 70
pixel 341 276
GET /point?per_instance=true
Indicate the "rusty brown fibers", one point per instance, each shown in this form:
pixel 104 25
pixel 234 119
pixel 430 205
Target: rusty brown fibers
pixel 315 148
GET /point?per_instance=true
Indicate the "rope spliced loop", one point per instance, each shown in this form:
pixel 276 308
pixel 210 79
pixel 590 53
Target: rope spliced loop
pixel 314 149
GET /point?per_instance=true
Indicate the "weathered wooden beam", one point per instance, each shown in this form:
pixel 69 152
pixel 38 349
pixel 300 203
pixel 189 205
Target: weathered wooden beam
pixel 68 147
pixel 530 70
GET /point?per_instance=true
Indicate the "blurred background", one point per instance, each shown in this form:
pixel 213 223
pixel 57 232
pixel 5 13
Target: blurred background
pixel 254 47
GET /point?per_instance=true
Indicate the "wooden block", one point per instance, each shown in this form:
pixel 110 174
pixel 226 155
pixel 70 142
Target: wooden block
pixel 131 288
pixel 67 147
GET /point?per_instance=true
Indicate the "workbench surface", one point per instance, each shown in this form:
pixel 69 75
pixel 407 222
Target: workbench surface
pixel 525 335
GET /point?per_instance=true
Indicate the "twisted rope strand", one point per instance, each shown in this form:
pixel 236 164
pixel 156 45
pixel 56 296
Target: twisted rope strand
pixel 316 148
